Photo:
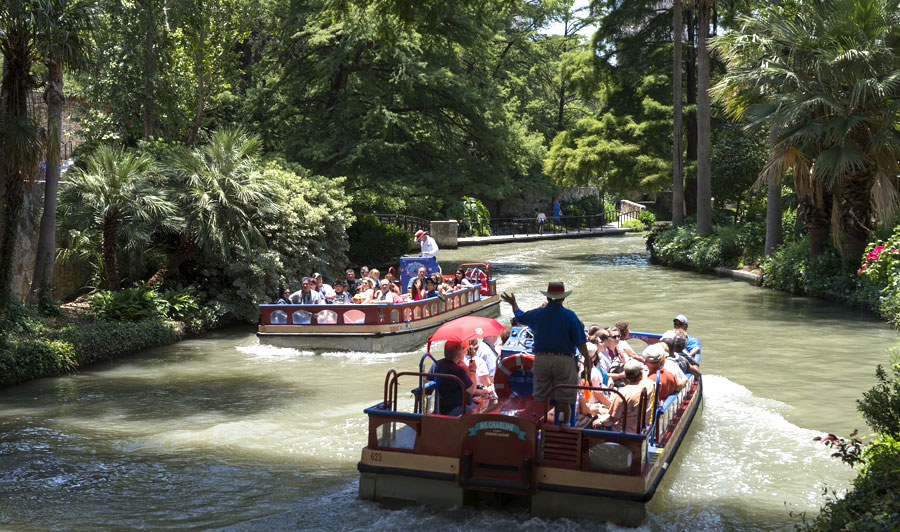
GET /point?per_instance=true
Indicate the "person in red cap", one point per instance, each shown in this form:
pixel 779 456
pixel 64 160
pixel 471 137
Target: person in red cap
pixel 429 246
pixel 558 334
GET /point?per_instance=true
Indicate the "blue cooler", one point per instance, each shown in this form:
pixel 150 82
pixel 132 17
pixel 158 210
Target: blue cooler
pixel 410 265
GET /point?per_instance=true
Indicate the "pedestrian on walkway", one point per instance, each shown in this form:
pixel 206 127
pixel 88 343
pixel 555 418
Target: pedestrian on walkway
pixel 541 219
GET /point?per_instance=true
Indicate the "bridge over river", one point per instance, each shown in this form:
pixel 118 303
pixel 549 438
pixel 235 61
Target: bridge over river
pixel 219 432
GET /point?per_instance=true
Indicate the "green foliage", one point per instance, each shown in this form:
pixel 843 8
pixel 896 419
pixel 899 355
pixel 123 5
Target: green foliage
pixel 375 243
pixel 134 303
pixel 728 245
pixel 585 205
pixel 476 219
pixel 633 224
pixel 41 346
pixel 880 406
pixel 647 218
pixel 737 159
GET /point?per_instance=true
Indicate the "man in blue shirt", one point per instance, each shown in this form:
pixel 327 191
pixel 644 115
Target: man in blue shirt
pixel 558 333
pixel 693 347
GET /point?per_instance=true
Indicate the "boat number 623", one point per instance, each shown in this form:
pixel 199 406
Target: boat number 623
pixel 375 457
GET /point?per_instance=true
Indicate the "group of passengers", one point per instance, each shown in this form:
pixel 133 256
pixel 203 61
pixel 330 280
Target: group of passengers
pixel 371 288
pixel 474 363
pixel 616 366
pixel 632 375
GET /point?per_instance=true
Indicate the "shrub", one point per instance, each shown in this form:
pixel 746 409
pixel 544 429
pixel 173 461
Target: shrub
pixel 376 243
pixel 633 224
pixel 729 245
pixel 474 217
pixel 647 218
pixel 135 303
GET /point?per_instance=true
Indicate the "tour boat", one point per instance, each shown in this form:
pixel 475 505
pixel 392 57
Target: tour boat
pixel 507 450
pixel 378 327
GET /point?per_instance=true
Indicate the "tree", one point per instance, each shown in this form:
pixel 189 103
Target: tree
pixel 220 197
pixel 65 35
pixel 704 183
pixel 21 140
pixel 113 196
pixel 830 75
pixel 677 133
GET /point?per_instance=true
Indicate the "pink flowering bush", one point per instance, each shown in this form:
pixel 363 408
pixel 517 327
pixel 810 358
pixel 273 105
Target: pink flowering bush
pixel 881 262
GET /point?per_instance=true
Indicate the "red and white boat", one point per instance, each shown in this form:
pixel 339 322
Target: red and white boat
pixel 509 446
pixel 377 327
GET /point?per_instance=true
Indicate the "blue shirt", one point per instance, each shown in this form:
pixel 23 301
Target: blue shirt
pixel 556 329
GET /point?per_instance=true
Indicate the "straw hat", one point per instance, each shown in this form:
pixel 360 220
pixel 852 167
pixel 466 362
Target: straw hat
pixel 556 290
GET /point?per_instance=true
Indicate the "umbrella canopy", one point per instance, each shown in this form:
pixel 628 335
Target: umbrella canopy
pixel 466 328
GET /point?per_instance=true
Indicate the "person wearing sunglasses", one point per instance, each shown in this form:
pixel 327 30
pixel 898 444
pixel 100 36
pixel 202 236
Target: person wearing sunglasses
pixel 285 298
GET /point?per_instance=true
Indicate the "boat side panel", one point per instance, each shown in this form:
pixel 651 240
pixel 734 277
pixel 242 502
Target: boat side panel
pixel 574 505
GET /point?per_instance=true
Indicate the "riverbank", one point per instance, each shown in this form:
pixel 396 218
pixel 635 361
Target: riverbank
pixel 37 346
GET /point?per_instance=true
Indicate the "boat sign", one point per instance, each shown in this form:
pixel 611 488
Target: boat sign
pixel 496 425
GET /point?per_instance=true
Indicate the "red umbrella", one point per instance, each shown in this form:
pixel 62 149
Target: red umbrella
pixel 465 328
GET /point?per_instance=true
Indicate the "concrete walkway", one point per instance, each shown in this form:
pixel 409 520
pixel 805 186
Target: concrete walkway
pixel 607 230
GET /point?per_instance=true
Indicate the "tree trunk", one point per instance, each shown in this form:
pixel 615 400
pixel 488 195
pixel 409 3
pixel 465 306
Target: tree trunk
pixel 110 250
pixel 200 72
pixel 690 120
pixel 704 184
pixel 149 115
pixel 185 251
pixel 774 233
pixel 42 282
pixel 677 151
pixel 856 213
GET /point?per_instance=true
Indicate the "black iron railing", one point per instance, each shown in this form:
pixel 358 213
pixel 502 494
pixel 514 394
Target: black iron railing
pixel 410 223
pixel 565 224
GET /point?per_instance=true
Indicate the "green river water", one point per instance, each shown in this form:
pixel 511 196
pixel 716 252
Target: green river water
pixel 221 433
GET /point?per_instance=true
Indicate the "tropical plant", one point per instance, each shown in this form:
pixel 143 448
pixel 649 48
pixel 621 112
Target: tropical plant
pixel 113 195
pixel 475 217
pixel 66 31
pixel 830 74
pixel 221 196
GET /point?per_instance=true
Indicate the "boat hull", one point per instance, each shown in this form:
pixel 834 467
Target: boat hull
pixel 558 492
pixel 386 338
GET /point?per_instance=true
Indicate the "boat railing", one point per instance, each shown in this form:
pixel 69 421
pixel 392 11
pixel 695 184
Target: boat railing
pixel 642 406
pixel 668 410
pixel 373 313
pixel 392 387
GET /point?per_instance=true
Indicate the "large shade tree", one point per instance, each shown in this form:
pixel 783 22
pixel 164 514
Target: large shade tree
pixel 830 78
pixel 21 140
pixel 65 37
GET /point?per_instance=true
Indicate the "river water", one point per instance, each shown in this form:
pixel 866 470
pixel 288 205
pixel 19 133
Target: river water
pixel 220 433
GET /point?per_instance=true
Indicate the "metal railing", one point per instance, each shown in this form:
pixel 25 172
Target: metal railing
pixel 409 223
pixel 565 224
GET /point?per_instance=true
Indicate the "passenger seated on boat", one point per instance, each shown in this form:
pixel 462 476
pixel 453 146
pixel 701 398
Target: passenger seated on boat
pixel 394 288
pixel 368 293
pixel 417 290
pixel 450 397
pixel 611 361
pixel 677 341
pixel 693 347
pixel 431 289
pixel 628 411
pixel 351 281
pixel 285 298
pixel 387 295
pixel 376 275
pixel 461 279
pixel 626 349
pixel 488 352
pixel 341 293
pixel 306 295
pixel 320 286
pixel 588 408
pixel 482 373
pixel 654 357
pixel 599 377
pixel 671 365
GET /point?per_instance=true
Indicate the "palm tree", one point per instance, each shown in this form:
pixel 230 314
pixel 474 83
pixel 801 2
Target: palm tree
pixel 677 133
pixel 65 31
pixel 20 138
pixel 220 194
pixel 830 77
pixel 704 182
pixel 112 195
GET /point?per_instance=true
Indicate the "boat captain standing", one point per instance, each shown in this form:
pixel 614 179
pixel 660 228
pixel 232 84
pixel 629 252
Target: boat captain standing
pixel 428 246
pixel 558 334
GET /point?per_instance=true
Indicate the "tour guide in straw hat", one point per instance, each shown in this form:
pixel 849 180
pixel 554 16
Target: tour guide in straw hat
pixel 557 334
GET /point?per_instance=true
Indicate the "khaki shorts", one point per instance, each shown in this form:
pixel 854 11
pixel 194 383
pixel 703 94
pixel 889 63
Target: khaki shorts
pixel 550 370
